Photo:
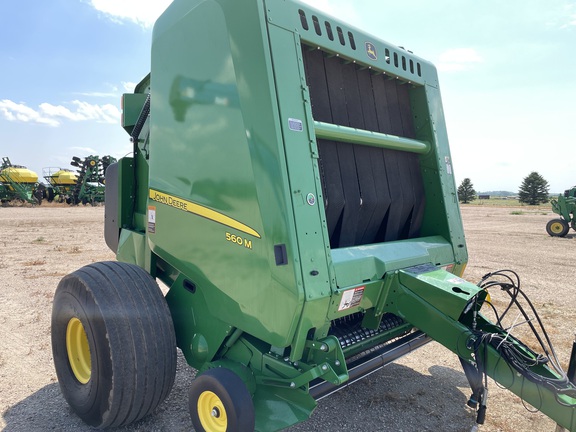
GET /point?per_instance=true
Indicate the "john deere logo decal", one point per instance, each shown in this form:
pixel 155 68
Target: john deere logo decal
pixel 371 51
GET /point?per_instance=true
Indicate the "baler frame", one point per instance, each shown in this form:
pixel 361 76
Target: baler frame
pixel 331 215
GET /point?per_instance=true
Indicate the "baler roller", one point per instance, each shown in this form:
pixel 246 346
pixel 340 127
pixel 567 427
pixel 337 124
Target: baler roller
pixel 349 330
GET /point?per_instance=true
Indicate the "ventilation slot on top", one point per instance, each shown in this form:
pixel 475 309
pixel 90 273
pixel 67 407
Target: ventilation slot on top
pixel 341 36
pixel 303 19
pixel 316 25
pixel 352 41
pixel 400 62
pixel 329 31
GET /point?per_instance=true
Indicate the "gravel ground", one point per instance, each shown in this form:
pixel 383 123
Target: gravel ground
pixel 424 391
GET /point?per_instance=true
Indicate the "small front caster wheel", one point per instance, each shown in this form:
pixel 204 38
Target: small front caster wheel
pixel 220 402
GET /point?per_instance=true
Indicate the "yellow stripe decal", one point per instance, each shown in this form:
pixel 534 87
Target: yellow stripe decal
pixel 197 209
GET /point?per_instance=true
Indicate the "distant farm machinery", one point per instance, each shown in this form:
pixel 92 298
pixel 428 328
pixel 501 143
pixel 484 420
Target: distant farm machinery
pixel 86 186
pixel 565 207
pixel 18 184
pixel 61 181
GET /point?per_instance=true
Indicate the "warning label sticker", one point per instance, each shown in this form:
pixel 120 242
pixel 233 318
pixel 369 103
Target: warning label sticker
pixel 351 298
pixel 151 219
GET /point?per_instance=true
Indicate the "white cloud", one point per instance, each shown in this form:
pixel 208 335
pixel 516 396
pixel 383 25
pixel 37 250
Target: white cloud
pixel 107 113
pixel 566 16
pixel 53 115
pixel 86 150
pixel 458 59
pixel 97 94
pixel 19 112
pixel 129 86
pixel 136 11
pixel 571 21
pixel 109 91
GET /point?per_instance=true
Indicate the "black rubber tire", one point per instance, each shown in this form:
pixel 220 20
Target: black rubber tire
pixel 131 340
pixel 231 392
pixel 50 194
pixel 557 228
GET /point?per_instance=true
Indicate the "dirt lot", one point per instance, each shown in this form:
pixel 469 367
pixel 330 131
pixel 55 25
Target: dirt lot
pixel 425 391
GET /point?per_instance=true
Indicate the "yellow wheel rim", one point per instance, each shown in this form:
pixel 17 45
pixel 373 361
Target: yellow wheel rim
pixel 556 227
pixel 78 350
pixel 211 412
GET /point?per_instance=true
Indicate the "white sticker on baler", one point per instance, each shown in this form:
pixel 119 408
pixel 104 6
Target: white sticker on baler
pixel 456 280
pixel 295 125
pixel 151 219
pixel 448 165
pixel 351 298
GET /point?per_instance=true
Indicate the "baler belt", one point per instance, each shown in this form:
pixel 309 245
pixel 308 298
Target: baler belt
pixel 371 194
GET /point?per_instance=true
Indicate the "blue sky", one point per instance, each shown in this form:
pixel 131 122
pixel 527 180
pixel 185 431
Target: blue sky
pixel 507 75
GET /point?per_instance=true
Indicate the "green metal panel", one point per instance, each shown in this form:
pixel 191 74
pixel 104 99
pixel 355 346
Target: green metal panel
pixel 132 248
pixel 126 186
pixel 565 205
pixel 306 191
pixel 439 289
pixel 435 300
pixel 229 163
pixel 132 104
pixel 372 262
pixel 442 215
pixel 199 333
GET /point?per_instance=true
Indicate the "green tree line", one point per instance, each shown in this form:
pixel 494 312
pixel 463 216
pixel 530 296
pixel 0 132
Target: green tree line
pixel 534 190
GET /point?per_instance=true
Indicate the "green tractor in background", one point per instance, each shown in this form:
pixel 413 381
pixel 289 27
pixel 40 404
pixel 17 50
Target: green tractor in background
pixel 565 207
